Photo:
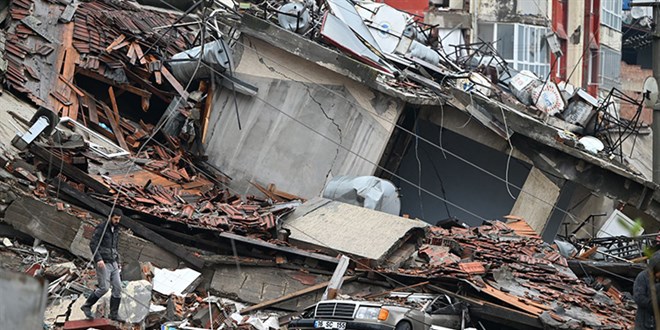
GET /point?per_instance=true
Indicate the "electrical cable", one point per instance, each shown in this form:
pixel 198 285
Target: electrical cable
pixel 150 137
pixel 419 169
pixel 443 150
pixel 437 174
pixel 298 122
pixel 571 216
pixel 508 159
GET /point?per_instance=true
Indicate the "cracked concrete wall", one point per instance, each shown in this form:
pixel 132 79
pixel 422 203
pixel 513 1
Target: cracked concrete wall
pixel 292 128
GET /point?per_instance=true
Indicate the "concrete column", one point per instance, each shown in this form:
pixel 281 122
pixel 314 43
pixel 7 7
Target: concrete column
pixel 535 203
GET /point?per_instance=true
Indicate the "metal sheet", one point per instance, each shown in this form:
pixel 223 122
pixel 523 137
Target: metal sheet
pixel 335 31
pixel 386 24
pixel 346 12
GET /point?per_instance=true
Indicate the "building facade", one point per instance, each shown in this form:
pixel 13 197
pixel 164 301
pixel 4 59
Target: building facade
pixel 589 34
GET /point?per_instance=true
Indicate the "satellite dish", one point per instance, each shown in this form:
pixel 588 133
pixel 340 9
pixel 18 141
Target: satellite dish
pixel 637 12
pixel 294 17
pixel 650 92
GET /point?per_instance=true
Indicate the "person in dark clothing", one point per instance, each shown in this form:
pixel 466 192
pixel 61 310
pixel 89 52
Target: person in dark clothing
pixel 106 257
pixel 645 318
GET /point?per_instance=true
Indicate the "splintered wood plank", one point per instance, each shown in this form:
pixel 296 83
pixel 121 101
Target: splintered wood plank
pixel 115 127
pixel 113 102
pixel 131 54
pixel 91 107
pixel 115 42
pixel 175 83
pixel 206 113
pixel 139 53
pixel 67 39
pixel 72 86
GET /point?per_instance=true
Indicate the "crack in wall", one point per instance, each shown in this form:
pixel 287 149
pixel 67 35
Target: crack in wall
pixel 308 89
pixel 341 142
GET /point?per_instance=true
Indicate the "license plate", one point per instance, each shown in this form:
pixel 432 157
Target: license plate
pixel 330 325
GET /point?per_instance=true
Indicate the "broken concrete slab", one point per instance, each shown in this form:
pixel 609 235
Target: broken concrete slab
pixel 349 229
pixel 135 301
pixel 257 284
pixel 45 222
pixel 178 282
pixel 57 309
pixel 76 313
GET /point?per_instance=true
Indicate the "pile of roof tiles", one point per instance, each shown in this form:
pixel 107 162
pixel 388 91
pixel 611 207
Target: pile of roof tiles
pixel 51 44
pixel 217 210
pixel 536 275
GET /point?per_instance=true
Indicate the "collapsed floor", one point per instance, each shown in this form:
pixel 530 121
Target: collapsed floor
pixel 105 67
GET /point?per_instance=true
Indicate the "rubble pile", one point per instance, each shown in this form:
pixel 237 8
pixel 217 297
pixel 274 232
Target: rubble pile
pixel 131 134
pixel 112 58
pixel 522 271
pixel 410 57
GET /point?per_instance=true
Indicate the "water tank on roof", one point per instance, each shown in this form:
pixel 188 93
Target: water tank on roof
pixel 366 191
pixel 217 55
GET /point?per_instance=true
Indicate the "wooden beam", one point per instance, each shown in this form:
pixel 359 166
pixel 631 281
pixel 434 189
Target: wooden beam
pixel 337 279
pixel 275 247
pixel 116 129
pixel 167 97
pixel 113 102
pixel 72 86
pixel 206 111
pixel 129 88
pixel 292 295
pixel 67 38
pixel 70 171
pixel 91 107
pixel 175 83
pixel 68 71
pixel 84 200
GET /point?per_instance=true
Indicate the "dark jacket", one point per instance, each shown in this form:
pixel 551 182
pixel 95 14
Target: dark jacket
pixel 108 243
pixel 644 318
pixel 642 295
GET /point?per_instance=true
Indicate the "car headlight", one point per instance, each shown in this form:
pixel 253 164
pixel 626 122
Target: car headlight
pixel 370 313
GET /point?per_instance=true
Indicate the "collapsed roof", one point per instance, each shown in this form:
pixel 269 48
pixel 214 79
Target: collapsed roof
pixel 110 79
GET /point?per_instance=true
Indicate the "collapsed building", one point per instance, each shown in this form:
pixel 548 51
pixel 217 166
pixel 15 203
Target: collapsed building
pixel 216 129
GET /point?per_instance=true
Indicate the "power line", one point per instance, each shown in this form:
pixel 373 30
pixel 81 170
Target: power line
pixel 150 137
pixel 442 149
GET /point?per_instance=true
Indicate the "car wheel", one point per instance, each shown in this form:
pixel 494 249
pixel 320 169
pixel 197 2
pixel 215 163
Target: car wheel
pixel 403 325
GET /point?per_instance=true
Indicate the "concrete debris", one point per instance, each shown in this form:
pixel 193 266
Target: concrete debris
pixel 177 282
pixel 525 270
pixel 136 300
pixel 117 126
